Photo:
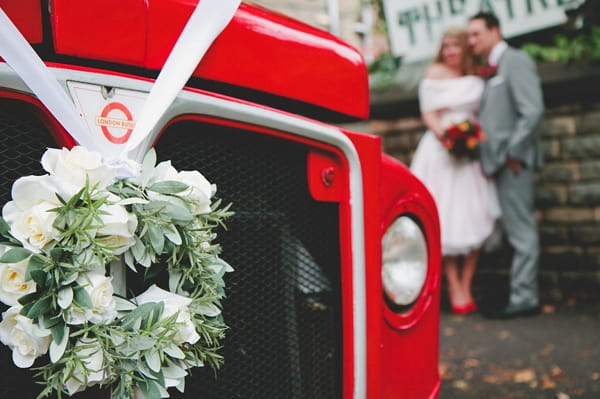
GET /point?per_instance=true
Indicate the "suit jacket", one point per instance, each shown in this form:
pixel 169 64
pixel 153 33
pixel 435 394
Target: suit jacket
pixel 511 109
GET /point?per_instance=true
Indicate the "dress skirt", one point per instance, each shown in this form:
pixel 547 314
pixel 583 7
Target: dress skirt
pixel 466 199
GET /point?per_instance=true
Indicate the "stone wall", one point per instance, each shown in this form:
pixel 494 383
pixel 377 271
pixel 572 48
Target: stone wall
pixel 567 192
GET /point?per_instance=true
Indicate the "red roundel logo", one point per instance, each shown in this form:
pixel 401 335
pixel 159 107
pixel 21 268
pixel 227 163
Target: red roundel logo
pixel 116 116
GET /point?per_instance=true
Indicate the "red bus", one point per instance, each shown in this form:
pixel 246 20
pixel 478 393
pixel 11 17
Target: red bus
pixel 335 245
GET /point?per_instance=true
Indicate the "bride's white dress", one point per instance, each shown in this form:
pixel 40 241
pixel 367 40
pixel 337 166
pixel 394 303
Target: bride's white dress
pixel 466 199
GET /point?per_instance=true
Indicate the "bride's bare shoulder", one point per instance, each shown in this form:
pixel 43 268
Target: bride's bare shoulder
pixel 438 71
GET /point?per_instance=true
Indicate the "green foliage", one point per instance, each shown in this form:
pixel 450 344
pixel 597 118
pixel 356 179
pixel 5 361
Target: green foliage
pixel 583 46
pixel 382 71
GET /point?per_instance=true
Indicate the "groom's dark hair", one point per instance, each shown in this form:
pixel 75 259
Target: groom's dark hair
pixel 491 20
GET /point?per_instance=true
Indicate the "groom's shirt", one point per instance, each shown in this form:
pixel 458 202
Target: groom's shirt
pixel 496 53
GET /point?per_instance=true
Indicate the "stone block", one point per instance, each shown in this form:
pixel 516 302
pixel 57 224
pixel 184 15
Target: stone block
pixel 589 123
pixel 560 258
pixel 553 234
pixel 398 142
pixel 409 124
pixel 584 194
pixel 558 126
pixel 585 234
pixel 569 215
pixel 581 147
pixel 590 170
pixel 560 172
pixel 377 127
pixel 550 195
pixel 551 149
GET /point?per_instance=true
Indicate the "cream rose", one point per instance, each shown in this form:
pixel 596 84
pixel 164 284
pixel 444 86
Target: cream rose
pixel 27 340
pixel 92 357
pixel 173 304
pixel 29 215
pixel 75 165
pixel 118 228
pixel 100 289
pixel 12 282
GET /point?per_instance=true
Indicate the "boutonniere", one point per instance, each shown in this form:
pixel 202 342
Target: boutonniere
pixel 487 71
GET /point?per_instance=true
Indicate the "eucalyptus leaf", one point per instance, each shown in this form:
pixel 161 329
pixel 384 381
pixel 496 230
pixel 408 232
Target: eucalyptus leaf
pixel 153 360
pixel 39 276
pixel 172 234
pixel 178 213
pixel 141 343
pixel 156 238
pixel 57 348
pixel 39 307
pixel 4 227
pixel 65 297
pixel 149 389
pixel 82 298
pixel 58 332
pixel 168 187
pixel 15 255
pixel 129 261
pixel 25 299
pixel 174 351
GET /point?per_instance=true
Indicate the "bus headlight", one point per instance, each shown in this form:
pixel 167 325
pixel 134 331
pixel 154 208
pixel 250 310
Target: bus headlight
pixel 404 261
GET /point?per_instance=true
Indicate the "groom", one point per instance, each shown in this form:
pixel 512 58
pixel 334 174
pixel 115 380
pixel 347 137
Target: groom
pixel 510 111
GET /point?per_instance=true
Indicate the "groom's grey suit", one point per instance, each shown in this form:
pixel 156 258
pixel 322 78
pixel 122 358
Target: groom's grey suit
pixel 510 112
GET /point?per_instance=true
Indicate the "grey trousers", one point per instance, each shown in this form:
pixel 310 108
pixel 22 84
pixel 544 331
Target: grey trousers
pixel 518 219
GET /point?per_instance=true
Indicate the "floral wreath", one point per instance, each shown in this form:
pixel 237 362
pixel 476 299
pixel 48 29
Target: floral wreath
pixel 61 231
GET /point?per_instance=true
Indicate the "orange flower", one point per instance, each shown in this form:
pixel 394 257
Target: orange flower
pixel 471 143
pixel 464 126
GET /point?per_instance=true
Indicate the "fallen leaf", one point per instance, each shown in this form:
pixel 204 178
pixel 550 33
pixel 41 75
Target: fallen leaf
pixel 491 379
pixel 548 383
pixel 449 331
pixel 547 350
pixel 571 302
pixel 548 309
pixel 461 384
pixel 471 363
pixel 504 335
pixel 524 376
pixel 556 372
pixel 595 376
pixel 562 395
pixel 444 370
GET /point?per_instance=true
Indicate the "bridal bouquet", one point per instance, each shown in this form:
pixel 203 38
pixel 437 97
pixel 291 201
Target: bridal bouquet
pixel 61 231
pixel 462 139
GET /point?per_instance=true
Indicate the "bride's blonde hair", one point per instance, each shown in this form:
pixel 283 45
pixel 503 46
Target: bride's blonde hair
pixel 468 60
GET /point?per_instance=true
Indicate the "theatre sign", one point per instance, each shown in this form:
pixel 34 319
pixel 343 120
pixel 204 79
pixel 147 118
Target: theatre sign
pixel 415 26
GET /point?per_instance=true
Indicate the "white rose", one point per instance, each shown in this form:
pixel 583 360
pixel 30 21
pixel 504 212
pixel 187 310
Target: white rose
pixel 74 165
pixel 28 213
pixel 26 339
pixel 12 282
pixel 199 189
pixel 100 289
pixel 92 357
pixel 118 228
pixel 173 304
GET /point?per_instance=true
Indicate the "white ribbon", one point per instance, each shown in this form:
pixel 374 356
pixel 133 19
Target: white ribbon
pixel 207 21
pixel 17 53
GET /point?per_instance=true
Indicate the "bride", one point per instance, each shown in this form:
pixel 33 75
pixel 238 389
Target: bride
pixel 465 197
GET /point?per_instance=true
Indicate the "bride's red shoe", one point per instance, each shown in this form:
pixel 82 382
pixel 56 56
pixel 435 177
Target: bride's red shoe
pixel 464 309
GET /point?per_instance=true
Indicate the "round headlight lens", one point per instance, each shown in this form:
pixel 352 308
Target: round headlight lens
pixel 404 261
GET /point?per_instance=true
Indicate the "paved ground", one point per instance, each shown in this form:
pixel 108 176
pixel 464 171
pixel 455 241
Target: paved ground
pixel 555 355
